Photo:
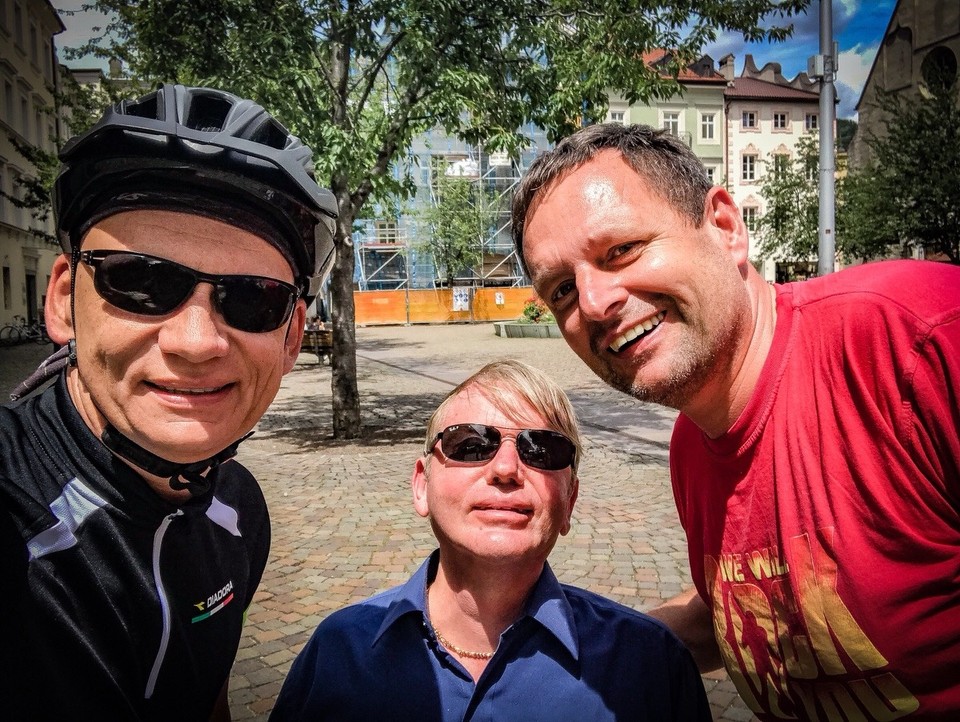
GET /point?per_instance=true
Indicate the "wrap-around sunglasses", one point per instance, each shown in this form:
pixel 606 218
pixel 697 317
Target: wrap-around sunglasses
pixel 151 286
pixel 478 443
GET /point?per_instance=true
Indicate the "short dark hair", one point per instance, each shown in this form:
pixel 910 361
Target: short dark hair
pixel 663 160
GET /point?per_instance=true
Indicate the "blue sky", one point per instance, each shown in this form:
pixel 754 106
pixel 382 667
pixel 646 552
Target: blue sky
pixel 858 27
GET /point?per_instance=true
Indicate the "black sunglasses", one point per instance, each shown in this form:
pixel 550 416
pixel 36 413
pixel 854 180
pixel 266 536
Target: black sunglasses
pixel 539 448
pixel 152 286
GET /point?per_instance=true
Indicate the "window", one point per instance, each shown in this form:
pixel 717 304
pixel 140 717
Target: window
pixel 9 103
pixel 748 165
pixel 811 121
pixel 38 123
pixel 711 173
pixel 781 121
pixel 18 25
pixel 16 192
pixel 707 121
pixel 34 45
pixel 3 201
pixel 386 231
pixel 671 122
pixel 748 121
pixel 781 164
pixel 617 116
pixel 813 168
pixel 24 115
pixel 7 295
pixel 750 217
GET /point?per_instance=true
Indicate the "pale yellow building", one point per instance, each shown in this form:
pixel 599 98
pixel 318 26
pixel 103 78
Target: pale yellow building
pixel 28 80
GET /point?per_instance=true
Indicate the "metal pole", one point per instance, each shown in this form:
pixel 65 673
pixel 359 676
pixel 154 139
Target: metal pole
pixel 827 246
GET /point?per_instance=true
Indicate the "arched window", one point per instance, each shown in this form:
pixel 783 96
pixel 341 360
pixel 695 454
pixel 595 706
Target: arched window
pixel 939 70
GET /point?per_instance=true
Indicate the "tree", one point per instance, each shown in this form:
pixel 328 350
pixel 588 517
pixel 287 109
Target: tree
pixel 789 229
pixel 357 80
pixel 456 222
pixel 846 129
pixel 907 195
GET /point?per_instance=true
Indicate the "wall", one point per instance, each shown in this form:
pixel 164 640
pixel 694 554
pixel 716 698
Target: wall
pixel 375 308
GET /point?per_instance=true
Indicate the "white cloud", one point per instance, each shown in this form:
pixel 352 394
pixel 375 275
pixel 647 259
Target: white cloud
pixel 852 69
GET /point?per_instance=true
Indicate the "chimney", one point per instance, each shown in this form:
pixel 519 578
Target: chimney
pixel 726 66
pixel 116 68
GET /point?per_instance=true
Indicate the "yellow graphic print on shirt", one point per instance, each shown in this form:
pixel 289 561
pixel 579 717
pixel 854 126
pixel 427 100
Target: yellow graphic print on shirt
pixel 789 642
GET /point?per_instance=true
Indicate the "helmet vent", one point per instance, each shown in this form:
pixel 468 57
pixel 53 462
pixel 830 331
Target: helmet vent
pixel 270 133
pixel 143 108
pixel 207 113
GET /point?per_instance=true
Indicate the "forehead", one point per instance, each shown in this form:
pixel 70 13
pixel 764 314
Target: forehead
pixel 476 405
pixel 200 242
pixel 602 200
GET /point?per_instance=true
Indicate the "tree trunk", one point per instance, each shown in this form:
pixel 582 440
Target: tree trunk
pixel 343 381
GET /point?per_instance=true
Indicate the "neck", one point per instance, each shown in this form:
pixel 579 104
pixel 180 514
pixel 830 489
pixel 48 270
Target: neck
pixel 472 607
pixel 720 403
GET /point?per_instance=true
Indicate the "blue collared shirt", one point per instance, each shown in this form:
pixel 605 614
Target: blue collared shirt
pixel 573 655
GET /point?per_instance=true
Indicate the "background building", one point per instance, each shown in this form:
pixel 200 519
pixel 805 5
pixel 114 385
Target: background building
pixel 919 51
pixel 765 116
pixel 29 79
pixel 695 115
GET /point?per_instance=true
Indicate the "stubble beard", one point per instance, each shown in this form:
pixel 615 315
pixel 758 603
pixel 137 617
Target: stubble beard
pixel 691 368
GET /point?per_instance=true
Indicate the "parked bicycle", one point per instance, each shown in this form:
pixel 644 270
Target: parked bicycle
pixel 20 331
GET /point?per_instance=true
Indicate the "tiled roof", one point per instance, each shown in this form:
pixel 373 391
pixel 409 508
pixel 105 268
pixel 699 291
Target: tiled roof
pixel 701 71
pixel 754 89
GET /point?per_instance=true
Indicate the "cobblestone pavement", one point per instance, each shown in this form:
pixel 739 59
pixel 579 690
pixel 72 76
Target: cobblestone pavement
pixel 342 517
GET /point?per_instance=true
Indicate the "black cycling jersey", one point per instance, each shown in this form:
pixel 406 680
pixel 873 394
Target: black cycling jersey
pixel 115 603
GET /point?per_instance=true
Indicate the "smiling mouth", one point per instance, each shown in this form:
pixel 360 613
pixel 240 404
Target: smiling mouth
pixel 187 392
pixel 631 336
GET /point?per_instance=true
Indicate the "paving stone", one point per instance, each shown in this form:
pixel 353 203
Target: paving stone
pixel 341 512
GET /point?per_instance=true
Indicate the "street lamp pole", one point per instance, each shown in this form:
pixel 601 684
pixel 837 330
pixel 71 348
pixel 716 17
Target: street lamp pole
pixel 825 65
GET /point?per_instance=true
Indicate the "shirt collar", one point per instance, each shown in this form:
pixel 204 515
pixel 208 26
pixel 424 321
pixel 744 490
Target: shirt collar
pixel 548 605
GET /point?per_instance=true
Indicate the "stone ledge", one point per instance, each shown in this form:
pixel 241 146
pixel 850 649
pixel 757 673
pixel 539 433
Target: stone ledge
pixel 509 329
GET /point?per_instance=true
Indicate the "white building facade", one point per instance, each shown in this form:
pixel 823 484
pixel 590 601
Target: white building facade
pixel 766 115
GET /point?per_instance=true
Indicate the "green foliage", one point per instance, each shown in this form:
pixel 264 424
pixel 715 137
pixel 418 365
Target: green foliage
pixel 846 129
pixel 908 194
pixel 536 311
pixel 358 80
pixel 456 222
pixel 789 229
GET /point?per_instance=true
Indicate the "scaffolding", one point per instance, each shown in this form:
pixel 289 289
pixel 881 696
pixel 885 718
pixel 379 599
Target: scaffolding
pixel 389 250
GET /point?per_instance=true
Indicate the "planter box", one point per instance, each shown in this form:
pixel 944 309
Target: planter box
pixel 509 329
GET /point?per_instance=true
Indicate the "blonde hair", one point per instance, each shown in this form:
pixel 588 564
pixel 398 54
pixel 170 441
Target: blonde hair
pixel 515 388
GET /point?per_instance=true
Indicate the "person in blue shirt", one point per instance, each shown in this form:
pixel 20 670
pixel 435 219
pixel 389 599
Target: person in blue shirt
pixel 483 630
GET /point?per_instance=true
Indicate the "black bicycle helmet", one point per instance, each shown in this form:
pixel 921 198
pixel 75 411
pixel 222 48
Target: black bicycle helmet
pixel 203 151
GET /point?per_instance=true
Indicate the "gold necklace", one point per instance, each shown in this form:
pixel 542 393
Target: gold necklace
pixel 459 651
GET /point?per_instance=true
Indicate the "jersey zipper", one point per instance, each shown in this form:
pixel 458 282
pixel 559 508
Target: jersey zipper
pixel 164 604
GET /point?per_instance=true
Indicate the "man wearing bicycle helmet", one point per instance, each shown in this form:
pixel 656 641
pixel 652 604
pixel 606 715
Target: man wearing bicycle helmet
pixel 193 237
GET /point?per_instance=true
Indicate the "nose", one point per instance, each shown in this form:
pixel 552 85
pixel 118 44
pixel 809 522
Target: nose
pixel 600 294
pixel 504 467
pixel 193 330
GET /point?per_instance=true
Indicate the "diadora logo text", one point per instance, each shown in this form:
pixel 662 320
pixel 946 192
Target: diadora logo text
pixel 215 602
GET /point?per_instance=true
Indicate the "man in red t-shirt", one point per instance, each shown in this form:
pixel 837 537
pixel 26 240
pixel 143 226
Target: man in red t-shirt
pixel 815 459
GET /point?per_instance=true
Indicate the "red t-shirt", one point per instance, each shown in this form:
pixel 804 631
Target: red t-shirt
pixel 824 527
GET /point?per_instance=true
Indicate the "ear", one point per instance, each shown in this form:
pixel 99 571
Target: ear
pixel 571 502
pixel 57 313
pixel 291 344
pixel 723 217
pixel 418 484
